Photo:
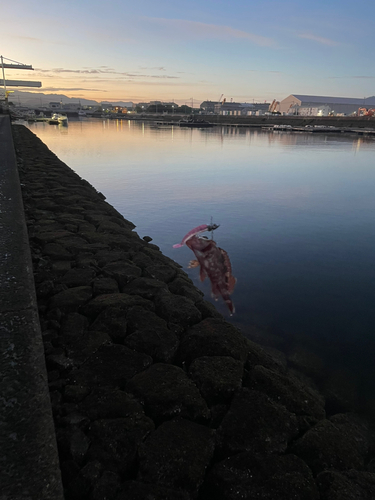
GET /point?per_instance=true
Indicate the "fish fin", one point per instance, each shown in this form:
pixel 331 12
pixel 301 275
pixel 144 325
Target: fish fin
pixel 193 264
pixel 202 274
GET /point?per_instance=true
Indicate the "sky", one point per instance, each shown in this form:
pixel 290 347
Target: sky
pixel 187 52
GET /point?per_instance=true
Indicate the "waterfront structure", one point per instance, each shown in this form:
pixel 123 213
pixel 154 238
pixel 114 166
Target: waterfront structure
pixel 241 108
pixel 295 103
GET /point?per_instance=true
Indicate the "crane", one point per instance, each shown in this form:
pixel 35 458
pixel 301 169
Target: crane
pixel 219 101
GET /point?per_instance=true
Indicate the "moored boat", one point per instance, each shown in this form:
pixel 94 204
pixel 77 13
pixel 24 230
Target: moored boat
pixel 195 123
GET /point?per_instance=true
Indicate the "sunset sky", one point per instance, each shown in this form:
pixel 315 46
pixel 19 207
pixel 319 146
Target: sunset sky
pixel 192 50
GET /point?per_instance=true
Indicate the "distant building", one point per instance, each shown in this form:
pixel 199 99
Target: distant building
pixel 337 105
pixel 241 108
pixel 208 106
pixel 55 105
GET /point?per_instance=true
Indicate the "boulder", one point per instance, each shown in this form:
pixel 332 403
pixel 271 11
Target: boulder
pixel 159 343
pixel 115 441
pixel 71 299
pixel 217 377
pixel 111 365
pixel 286 390
pixel 257 424
pixel 212 337
pixel 177 455
pixel 177 309
pixel 350 485
pixel 147 288
pixel 326 447
pixel 167 392
pixel 246 477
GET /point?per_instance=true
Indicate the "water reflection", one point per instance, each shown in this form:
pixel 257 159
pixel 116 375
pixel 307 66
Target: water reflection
pixel 295 213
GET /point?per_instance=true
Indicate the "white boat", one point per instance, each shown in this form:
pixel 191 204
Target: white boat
pixel 61 119
pixel 81 112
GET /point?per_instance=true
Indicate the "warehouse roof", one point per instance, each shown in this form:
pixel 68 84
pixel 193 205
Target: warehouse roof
pixel 335 100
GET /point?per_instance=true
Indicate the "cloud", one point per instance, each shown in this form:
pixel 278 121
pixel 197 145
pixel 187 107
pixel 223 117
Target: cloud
pixel 68 89
pixel 202 30
pixel 353 76
pixel 314 38
pixel 104 71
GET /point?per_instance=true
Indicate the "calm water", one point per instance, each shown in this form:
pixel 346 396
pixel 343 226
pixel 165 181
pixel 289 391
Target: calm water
pixel 296 215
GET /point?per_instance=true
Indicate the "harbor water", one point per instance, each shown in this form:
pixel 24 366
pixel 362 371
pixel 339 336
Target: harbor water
pixel 296 214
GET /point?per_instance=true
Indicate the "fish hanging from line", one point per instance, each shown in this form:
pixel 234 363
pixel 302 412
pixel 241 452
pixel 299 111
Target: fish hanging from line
pixel 213 261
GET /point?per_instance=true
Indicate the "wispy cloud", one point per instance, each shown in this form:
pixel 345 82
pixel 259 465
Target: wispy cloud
pixel 203 30
pixel 103 71
pixel 318 39
pixel 364 77
pixel 68 89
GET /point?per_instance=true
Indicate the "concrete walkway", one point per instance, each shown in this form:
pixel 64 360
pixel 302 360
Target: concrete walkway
pixel 29 467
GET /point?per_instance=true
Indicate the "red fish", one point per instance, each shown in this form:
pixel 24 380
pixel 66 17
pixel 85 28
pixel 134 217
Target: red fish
pixel 214 262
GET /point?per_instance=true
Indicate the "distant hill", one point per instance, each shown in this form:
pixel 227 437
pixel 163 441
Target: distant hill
pixel 31 99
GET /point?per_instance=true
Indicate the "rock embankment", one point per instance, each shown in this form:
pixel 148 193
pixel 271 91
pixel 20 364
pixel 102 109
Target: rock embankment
pixel 154 394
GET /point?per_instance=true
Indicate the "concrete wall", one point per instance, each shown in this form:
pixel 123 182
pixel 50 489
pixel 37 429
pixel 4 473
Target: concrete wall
pixel 29 467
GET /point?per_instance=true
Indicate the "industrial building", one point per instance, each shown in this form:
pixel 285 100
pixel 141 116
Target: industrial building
pixel 312 105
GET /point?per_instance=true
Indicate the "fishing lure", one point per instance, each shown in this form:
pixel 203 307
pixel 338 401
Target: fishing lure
pixel 213 261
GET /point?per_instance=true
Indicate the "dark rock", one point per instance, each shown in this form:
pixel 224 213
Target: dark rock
pixel 286 390
pixel 207 309
pixel 57 252
pixel 350 424
pixel 273 478
pixel 71 299
pixel 122 272
pixel 111 365
pixel 75 393
pixel 351 485
pixel 79 445
pixel 115 442
pixel 60 266
pixel 180 286
pixel 257 424
pixel 135 490
pixel 103 286
pixel 106 487
pixel 325 447
pixel 142 260
pixel 139 318
pixel 147 288
pixel 84 481
pixel 112 321
pixel 45 289
pixel 105 257
pixel 217 377
pixel 212 337
pixel 257 355
pixel 177 455
pixel 87 345
pixel 159 343
pixel 109 402
pixel 167 392
pixel 177 309
pixel 85 260
pixel 160 272
pixel 74 244
pixel 147 239
pixel 78 277
pixel 73 326
pixel 116 300
pixel 59 362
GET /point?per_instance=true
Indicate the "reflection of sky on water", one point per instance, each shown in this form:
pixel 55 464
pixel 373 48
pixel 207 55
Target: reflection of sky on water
pixel 296 212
